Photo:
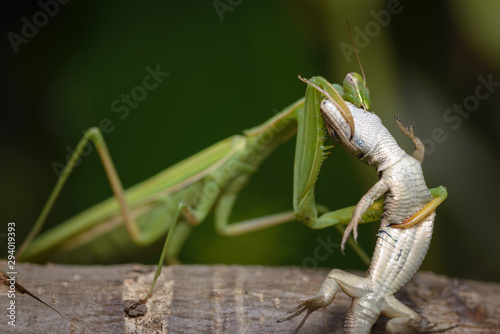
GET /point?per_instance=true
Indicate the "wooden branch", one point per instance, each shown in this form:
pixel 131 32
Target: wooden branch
pixel 219 299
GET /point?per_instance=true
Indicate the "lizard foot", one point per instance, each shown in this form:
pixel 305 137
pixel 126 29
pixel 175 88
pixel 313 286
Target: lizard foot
pixel 431 329
pixel 409 132
pixel 308 305
pixel 414 325
pixel 351 228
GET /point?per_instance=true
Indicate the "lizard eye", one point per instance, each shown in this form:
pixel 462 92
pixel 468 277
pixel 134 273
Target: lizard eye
pixel 335 136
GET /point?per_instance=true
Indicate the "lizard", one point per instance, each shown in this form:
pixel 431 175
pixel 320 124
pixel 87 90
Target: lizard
pixel 399 252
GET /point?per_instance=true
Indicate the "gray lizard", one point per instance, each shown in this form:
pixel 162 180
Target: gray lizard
pixel 399 252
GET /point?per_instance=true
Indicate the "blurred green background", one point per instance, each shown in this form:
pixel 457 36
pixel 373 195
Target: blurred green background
pixel 234 64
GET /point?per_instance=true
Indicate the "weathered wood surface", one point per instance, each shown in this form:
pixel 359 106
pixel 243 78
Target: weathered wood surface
pixel 221 299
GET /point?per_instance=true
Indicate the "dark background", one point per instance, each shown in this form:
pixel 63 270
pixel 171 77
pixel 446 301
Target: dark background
pixel 232 70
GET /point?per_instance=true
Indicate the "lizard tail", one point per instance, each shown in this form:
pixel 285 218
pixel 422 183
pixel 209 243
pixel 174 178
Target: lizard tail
pixel 360 319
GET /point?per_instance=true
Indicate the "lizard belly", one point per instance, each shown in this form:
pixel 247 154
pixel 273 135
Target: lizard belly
pixel 398 255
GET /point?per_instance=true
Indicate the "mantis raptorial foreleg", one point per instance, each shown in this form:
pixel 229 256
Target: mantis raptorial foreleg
pixel 312 151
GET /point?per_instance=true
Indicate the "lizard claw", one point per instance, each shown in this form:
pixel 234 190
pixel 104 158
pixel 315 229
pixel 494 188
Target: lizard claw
pixel 352 227
pixel 309 305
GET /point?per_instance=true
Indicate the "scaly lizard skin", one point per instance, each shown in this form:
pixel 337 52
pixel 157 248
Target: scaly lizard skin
pixel 399 252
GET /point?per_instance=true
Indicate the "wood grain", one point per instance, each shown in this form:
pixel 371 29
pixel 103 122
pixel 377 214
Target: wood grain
pixel 221 299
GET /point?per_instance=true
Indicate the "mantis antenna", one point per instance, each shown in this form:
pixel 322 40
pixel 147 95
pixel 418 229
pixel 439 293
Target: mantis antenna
pixel 356 50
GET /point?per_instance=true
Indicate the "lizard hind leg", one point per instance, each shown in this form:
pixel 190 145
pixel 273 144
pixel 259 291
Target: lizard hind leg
pixel 351 284
pixel 404 319
pixel 322 299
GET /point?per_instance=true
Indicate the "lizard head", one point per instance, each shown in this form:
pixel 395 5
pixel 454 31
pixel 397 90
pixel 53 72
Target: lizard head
pixel 348 122
pixel 366 126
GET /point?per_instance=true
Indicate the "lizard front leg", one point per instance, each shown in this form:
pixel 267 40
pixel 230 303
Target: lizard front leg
pixel 419 152
pixel 378 189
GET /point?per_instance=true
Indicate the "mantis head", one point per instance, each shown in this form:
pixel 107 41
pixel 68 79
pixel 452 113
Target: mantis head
pixel 328 92
pixel 356 91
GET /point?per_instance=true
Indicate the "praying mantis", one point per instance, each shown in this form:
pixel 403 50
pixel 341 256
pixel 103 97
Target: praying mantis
pixel 177 199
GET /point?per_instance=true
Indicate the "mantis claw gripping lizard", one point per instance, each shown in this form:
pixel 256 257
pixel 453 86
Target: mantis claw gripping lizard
pixel 408 204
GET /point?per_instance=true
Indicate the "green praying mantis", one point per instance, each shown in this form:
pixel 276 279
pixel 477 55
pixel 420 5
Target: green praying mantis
pixel 168 205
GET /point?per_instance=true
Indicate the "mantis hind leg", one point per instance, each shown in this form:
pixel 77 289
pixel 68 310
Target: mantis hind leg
pixel 334 218
pixel 225 206
pixel 94 135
